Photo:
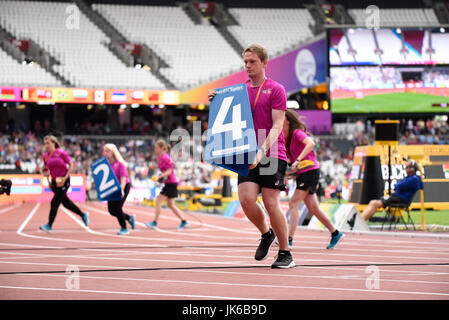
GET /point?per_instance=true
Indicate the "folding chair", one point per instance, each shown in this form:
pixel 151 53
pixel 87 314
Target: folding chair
pixel 395 213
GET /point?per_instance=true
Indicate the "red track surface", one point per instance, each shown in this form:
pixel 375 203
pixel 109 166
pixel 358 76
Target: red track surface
pixel 212 258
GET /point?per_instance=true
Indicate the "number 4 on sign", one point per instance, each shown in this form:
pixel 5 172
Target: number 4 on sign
pixel 236 126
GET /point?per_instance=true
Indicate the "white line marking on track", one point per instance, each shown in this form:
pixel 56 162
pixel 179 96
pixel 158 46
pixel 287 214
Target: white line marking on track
pixel 208 283
pixel 10 208
pixel 25 222
pixel 191 296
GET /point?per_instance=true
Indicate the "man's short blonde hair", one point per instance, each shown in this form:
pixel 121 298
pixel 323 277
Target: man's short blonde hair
pixel 261 52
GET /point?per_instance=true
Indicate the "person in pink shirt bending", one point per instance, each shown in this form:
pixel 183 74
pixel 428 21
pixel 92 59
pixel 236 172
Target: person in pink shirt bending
pixel 115 207
pixel 302 156
pixel 268 101
pixel 57 167
pixel 169 192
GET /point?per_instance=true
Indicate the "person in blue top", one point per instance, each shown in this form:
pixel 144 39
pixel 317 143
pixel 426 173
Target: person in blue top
pixel 403 191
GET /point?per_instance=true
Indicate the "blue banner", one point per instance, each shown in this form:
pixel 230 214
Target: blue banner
pixel 107 185
pixel 231 139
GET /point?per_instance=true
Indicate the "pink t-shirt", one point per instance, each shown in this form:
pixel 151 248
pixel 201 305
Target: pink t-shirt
pixel 57 163
pixel 296 147
pixel 272 96
pixel 164 163
pixel 120 171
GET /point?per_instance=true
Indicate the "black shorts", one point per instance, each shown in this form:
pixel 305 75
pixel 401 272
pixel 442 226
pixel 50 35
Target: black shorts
pixel 308 180
pixel 170 190
pixel 267 174
pixel 393 199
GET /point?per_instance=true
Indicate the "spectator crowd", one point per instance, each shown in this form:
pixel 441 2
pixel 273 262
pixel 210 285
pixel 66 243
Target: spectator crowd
pixel 335 152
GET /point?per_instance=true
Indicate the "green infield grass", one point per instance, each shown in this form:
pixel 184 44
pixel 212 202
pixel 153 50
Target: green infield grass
pixel 390 103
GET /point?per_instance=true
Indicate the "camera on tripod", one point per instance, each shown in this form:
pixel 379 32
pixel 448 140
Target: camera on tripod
pixel 5 186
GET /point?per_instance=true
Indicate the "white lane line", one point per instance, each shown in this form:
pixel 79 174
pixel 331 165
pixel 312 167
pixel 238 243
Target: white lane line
pixel 250 285
pixel 10 208
pixel 216 227
pixel 176 261
pixel 27 246
pixel 20 231
pixel 180 253
pixel 358 242
pixel 174 295
pixel 333 254
pixel 363 243
pixel 25 222
pixel 54 239
pixel 178 233
pixel 358 277
pixel 197 233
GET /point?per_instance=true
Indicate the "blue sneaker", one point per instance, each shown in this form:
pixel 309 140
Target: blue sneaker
pixel 132 221
pixel 45 228
pixel 86 218
pixel 335 240
pixel 123 232
pixel 152 224
pixel 182 225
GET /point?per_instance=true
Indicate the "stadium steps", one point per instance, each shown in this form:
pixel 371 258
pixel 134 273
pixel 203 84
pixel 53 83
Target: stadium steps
pixel 376 41
pixel 192 12
pixel 233 42
pixel 441 11
pixel 147 56
pixel 46 61
pixel 342 16
pixel 35 53
pixel 221 19
pixel 116 37
pixel 318 16
pixel 8 47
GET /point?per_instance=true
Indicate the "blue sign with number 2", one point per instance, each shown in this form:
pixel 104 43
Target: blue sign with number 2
pixel 231 140
pixel 106 183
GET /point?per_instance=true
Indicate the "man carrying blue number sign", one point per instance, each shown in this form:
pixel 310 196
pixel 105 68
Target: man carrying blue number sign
pixel 268 101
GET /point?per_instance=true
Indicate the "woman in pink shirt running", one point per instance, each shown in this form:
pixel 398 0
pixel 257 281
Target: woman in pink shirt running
pixel 57 167
pixel 115 207
pixel 300 153
pixel 169 192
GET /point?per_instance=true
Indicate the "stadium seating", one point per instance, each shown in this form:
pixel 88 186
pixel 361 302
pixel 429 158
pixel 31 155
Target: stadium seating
pixel 388 46
pixel 278 29
pixel 13 73
pixel 402 17
pixel 362 41
pixel 85 60
pixel 194 53
pixel 197 53
pixel 391 45
pixel 440 47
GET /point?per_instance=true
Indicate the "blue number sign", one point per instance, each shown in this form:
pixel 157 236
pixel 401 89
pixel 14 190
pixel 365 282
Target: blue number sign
pixel 106 183
pixel 231 140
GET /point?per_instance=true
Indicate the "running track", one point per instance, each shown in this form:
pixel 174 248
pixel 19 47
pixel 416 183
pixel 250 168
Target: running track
pixel 211 259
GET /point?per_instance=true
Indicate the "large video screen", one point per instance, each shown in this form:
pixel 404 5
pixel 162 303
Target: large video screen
pixel 388 46
pixel 388 70
pixel 380 89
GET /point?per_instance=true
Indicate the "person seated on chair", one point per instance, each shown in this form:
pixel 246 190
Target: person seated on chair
pixel 403 191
